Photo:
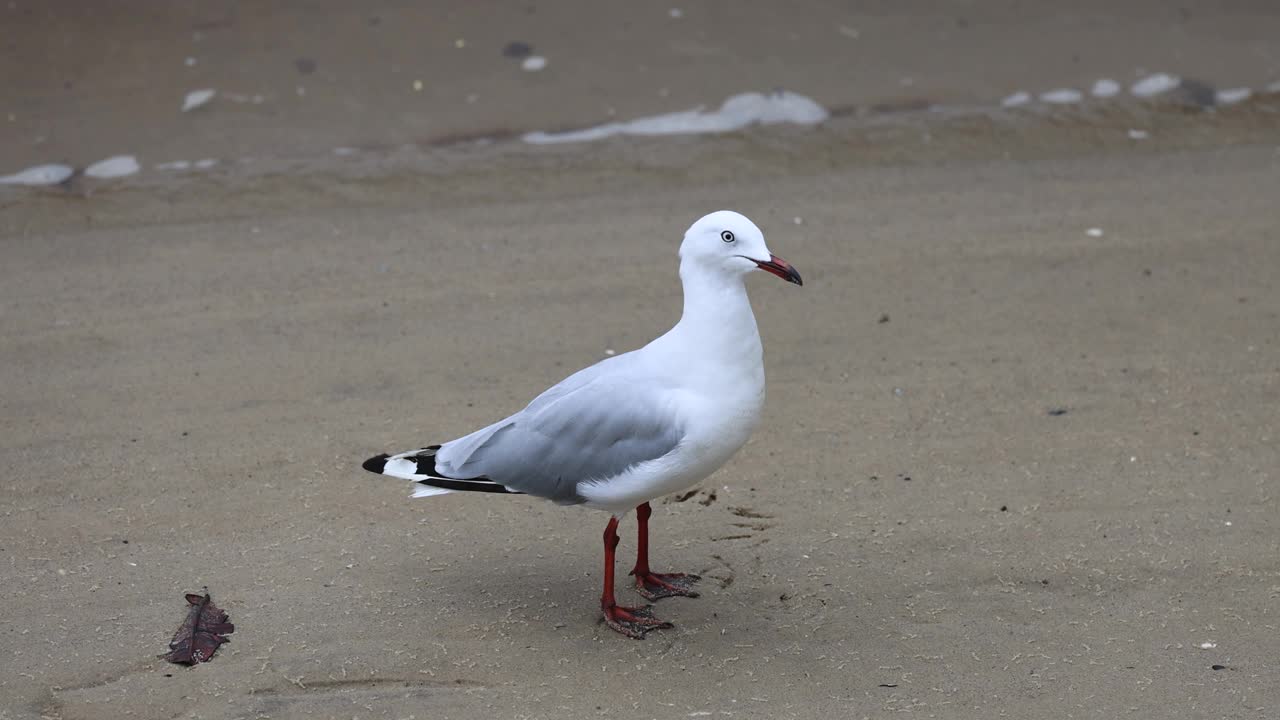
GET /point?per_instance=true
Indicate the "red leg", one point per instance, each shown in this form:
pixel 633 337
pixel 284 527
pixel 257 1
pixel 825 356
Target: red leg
pixel 652 585
pixel 633 622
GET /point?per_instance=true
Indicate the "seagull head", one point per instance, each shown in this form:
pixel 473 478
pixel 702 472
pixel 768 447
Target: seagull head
pixel 727 242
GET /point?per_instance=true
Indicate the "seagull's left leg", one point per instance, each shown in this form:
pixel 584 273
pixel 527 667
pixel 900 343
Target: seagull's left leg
pixel 633 622
pixel 652 585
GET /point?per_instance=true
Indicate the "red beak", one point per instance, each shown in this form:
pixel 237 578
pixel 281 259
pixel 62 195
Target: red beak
pixel 781 268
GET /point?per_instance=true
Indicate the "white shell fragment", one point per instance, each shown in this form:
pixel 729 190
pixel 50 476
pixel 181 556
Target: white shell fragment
pixel 1019 98
pixel 1231 96
pixel 736 113
pixel 1105 88
pixel 196 98
pixel 1153 85
pixel 50 174
pixel 1062 96
pixel 113 167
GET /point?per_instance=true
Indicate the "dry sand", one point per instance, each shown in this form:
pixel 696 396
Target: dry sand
pixel 192 372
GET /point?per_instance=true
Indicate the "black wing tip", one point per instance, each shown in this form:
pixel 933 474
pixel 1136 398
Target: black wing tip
pixel 376 464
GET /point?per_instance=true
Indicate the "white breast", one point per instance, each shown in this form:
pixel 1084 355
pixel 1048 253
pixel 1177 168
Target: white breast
pixel 717 426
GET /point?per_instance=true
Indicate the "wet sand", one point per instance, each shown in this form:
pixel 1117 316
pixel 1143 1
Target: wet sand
pixel 1008 467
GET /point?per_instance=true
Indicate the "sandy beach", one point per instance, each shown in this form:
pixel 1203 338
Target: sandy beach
pixel 1019 452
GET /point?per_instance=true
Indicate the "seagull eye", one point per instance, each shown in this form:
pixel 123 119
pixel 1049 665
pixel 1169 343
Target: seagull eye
pixel 726 236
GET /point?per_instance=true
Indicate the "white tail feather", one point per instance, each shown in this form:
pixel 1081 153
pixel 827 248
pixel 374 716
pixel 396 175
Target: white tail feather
pixel 421 491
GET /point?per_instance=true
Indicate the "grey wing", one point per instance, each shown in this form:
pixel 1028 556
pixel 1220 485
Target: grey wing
pixel 592 431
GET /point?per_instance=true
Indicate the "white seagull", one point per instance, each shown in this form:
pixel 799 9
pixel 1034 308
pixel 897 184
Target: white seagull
pixel 633 427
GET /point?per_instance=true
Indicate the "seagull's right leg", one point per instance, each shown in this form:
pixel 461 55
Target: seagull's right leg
pixel 652 585
pixel 633 622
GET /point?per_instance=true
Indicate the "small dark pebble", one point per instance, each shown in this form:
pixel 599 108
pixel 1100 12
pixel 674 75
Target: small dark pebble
pixel 1196 93
pixel 1146 271
pixel 126 542
pixel 784 597
pixel 184 433
pixel 517 49
pixel 168 674
pixel 306 66
pixel 1044 582
pixel 883 318
pixel 1004 508
pixel 888 685
pixel 1056 412
pixel 1195 432
pixel 1218 667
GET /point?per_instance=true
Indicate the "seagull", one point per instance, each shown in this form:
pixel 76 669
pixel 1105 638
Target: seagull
pixel 632 427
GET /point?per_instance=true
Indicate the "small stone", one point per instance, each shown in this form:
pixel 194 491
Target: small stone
pixel 517 49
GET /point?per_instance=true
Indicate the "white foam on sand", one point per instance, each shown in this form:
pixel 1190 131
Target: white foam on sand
pixel 737 112
pixel 113 167
pixel 205 163
pixel 1156 84
pixel 50 174
pixel 1232 96
pixel 1062 96
pixel 1105 88
pixel 174 165
pixel 534 63
pixel 196 98
pixel 1019 98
